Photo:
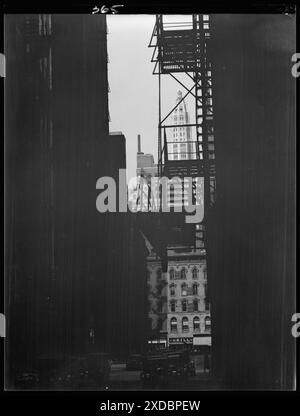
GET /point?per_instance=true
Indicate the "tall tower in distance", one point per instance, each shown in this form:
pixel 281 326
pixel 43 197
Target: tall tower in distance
pixel 179 147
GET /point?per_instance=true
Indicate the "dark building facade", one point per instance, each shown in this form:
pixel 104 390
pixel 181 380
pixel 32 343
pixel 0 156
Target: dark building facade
pixel 251 242
pixel 64 261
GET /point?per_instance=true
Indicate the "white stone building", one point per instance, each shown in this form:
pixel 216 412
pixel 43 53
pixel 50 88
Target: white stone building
pixel 188 317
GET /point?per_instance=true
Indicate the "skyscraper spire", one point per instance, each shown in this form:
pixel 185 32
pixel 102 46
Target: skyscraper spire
pixel 179 146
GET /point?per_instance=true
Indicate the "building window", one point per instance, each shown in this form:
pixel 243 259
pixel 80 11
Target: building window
pixel 171 272
pixel 183 273
pixel 195 305
pixel 171 195
pixel 40 24
pixel 195 289
pixel 50 69
pixel 185 324
pixel 196 323
pixel 49 24
pixel 44 66
pixel 184 289
pixel 195 273
pixel 160 306
pixel 172 290
pixel 173 325
pixel 173 305
pixel 159 324
pixel 158 274
pixel 207 323
pixel 205 290
pixel 184 305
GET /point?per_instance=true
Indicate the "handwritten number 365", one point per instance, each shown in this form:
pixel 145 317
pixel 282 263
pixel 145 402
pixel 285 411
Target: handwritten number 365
pixel 105 9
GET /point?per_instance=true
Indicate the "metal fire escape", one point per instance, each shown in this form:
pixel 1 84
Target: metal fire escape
pixel 183 47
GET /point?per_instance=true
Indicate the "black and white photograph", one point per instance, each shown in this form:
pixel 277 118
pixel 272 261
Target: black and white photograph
pixel 150 201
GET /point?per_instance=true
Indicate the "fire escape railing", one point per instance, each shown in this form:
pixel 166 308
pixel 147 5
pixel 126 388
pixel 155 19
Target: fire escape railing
pixel 183 47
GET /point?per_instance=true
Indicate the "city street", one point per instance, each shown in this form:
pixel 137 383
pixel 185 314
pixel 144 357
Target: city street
pixel 120 379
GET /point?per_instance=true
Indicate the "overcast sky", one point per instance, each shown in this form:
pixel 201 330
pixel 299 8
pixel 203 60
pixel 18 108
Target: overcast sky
pixel 133 100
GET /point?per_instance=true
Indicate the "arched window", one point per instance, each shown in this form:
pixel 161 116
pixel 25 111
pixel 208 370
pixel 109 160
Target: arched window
pixel 195 289
pixel 184 289
pixel 195 273
pixel 185 324
pixel 184 305
pixel 171 273
pixel 173 325
pixel 205 290
pixel 195 305
pixel 196 323
pixel 171 194
pixel 173 305
pixel 207 323
pixel 172 290
pixel 183 273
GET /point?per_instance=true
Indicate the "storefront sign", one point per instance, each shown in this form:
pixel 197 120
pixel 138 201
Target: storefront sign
pixel 181 340
pixel 202 340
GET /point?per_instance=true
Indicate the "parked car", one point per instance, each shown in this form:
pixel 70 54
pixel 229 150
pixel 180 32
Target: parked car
pixel 27 380
pixel 154 372
pixel 85 372
pixel 166 368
